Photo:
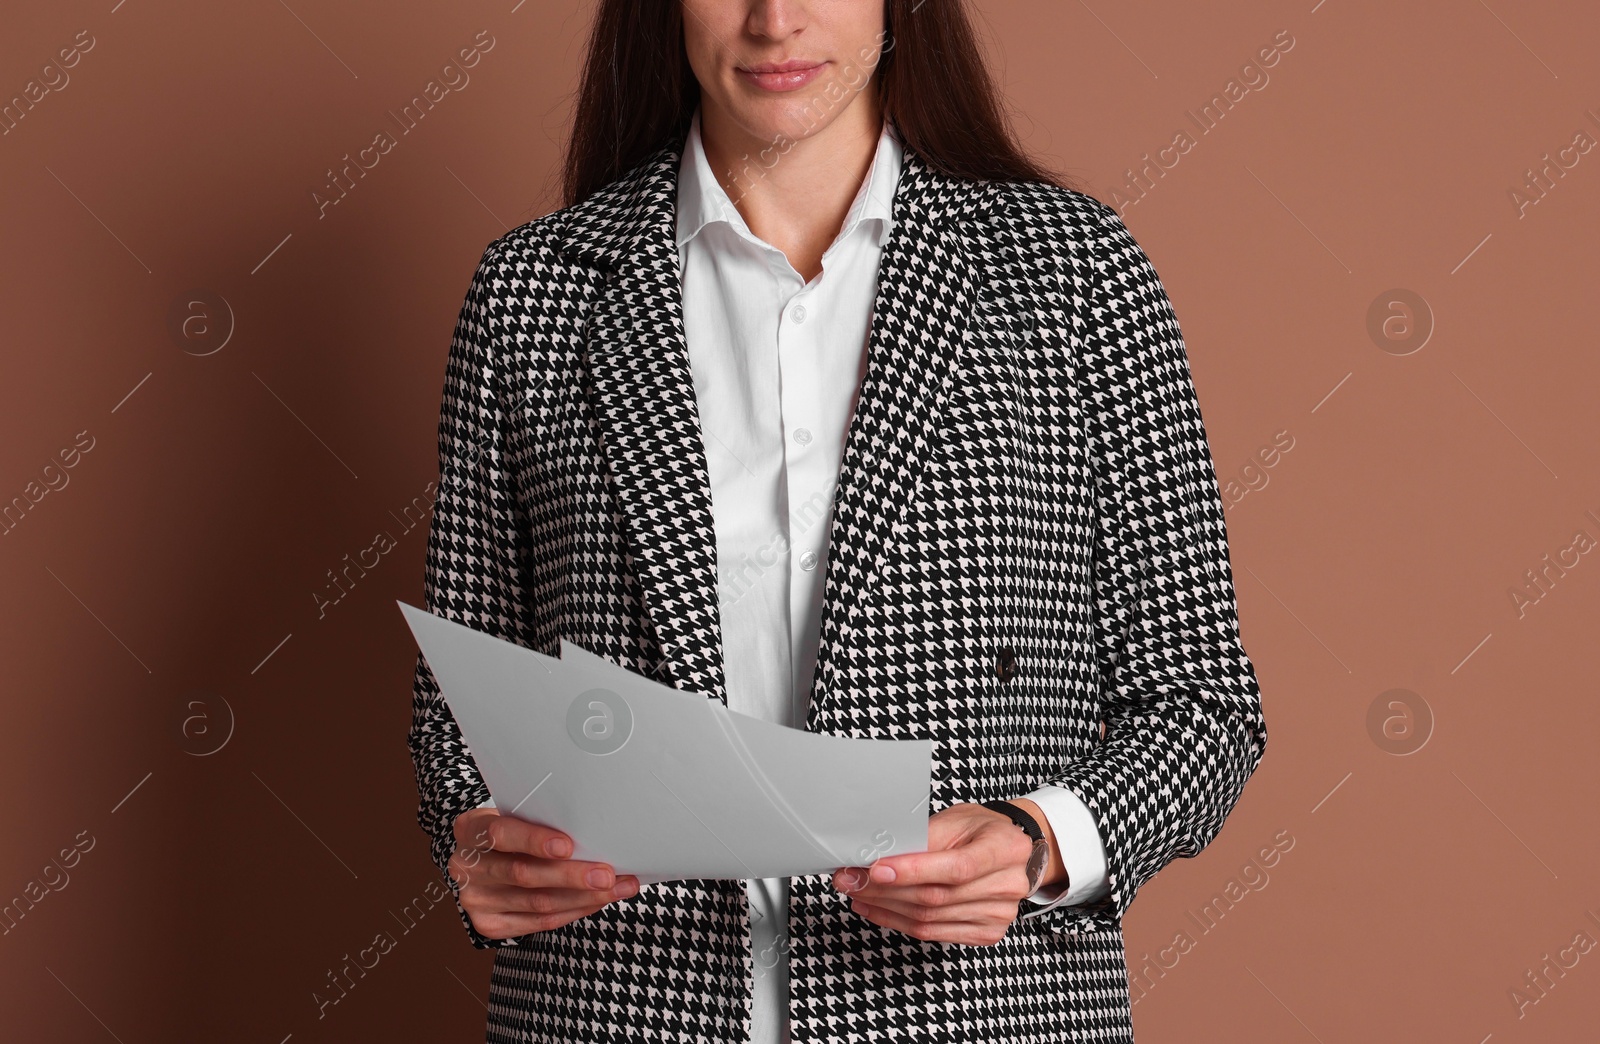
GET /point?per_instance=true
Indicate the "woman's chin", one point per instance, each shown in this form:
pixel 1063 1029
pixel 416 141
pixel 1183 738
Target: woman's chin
pixel 783 118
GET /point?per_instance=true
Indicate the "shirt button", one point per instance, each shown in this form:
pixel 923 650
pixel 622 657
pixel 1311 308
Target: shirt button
pixel 798 313
pixel 808 561
pixel 802 435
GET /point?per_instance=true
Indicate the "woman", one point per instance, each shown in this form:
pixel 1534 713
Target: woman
pixel 818 397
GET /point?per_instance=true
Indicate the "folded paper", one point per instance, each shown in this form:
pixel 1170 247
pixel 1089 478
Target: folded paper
pixel 666 784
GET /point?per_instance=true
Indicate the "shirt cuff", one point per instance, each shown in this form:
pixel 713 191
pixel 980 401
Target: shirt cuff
pixel 1083 853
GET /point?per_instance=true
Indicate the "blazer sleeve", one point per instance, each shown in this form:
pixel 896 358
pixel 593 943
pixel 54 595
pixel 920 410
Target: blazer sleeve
pixel 1178 696
pixel 476 561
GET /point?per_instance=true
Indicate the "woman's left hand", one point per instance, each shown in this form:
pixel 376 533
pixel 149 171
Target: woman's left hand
pixel 963 889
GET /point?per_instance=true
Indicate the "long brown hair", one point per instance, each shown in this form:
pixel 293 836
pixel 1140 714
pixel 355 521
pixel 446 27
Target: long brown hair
pixel 638 92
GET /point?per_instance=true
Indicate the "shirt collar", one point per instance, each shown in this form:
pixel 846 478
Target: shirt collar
pixel 702 199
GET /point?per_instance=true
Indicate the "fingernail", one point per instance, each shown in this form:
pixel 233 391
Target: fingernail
pixel 559 847
pixel 625 889
pixel 883 872
pixel 598 878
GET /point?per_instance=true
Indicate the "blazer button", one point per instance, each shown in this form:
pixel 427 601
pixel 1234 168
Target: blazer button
pixel 1005 664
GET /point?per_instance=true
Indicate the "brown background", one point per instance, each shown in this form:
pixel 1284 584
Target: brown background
pixel 168 588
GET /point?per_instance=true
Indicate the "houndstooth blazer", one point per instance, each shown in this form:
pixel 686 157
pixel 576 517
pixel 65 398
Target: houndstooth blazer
pixel 1027 565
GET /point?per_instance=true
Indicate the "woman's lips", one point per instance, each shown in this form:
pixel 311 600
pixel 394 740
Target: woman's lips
pixel 783 76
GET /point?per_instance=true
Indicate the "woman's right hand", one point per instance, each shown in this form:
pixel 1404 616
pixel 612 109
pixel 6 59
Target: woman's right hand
pixel 516 877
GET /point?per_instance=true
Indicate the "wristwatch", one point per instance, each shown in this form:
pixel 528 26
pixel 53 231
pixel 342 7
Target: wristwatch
pixel 1040 859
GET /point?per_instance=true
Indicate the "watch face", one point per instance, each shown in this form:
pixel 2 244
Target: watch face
pixel 1037 862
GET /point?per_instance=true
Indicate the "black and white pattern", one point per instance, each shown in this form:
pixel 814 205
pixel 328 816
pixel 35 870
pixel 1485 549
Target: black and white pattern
pixel 1027 470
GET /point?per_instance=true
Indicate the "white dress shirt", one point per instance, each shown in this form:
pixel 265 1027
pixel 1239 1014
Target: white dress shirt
pixel 777 363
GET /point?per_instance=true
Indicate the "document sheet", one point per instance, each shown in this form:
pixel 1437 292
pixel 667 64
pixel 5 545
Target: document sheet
pixel 666 784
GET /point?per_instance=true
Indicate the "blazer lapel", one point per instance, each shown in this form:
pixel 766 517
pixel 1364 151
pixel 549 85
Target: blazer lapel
pixel 928 291
pixel 642 392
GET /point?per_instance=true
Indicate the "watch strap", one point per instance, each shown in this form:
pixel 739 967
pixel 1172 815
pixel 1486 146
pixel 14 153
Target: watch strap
pixel 1019 816
pixel 1039 863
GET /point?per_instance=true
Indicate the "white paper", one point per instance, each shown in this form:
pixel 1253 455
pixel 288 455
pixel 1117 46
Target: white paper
pixel 664 784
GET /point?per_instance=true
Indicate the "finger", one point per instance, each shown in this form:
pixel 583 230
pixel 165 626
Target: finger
pixel 1008 884
pixel 509 925
pixel 970 933
pixel 470 865
pixel 978 911
pixel 510 834
pixel 974 856
pixel 532 872
pixel 469 825
pixel 508 899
